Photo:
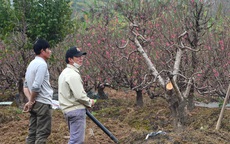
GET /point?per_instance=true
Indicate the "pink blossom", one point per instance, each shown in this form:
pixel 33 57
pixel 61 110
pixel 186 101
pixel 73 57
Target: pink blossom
pixel 89 44
pixel 216 73
pixel 107 54
pixel 152 43
pixel 87 77
pixel 98 41
pixel 133 46
pixel 157 55
pixel 99 79
pixel 221 42
pixel 123 41
pixel 87 63
pixel 173 36
pixel 157 25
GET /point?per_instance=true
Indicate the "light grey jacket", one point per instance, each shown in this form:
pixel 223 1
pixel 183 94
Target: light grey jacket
pixel 71 93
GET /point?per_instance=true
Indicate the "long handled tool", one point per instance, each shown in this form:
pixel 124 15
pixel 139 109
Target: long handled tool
pixel 101 126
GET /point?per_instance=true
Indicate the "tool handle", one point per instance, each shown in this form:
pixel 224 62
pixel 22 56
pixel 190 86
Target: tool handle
pixel 101 126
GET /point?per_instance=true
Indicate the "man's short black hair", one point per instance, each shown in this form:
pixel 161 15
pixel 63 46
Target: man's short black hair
pixel 39 45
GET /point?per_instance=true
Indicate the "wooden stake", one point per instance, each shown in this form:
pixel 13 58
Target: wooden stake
pixel 222 110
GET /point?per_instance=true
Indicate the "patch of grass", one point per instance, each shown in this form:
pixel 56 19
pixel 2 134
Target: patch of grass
pixel 9 113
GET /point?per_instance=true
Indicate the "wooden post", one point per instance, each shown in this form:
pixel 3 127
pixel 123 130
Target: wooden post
pixel 222 110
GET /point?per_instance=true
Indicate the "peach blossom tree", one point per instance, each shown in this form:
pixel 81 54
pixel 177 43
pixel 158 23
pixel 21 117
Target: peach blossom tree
pixel 168 40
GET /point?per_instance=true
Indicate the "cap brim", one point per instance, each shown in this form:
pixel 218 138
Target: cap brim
pixel 80 54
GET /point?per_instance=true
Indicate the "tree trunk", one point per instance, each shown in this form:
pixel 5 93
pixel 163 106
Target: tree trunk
pixel 101 93
pixel 21 98
pixel 191 104
pixel 178 112
pixel 139 98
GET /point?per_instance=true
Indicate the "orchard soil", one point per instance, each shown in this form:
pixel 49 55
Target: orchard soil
pixel 127 122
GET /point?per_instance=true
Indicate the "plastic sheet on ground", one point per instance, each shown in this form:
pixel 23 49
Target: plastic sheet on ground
pixel 55 104
pixel 5 103
pixel 153 134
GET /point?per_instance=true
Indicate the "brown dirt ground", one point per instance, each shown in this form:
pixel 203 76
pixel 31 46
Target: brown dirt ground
pixel 128 123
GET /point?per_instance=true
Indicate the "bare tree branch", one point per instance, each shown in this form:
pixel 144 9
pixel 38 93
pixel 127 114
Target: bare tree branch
pixel 122 47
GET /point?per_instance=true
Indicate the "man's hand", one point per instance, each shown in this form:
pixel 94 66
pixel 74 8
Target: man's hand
pixel 93 102
pixel 28 106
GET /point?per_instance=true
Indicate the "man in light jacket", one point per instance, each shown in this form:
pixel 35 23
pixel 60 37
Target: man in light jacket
pixel 72 97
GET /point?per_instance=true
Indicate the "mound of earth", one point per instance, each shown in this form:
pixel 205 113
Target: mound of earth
pixel 128 123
